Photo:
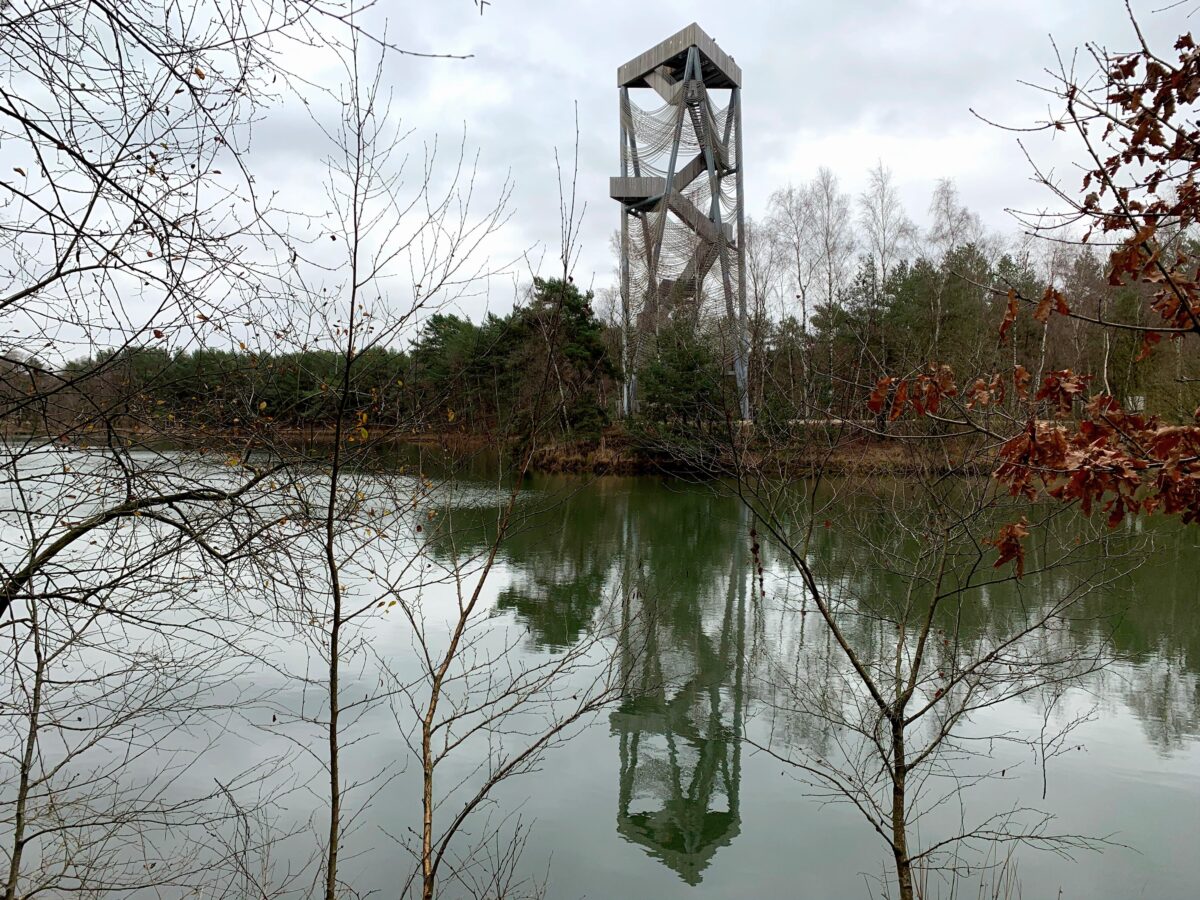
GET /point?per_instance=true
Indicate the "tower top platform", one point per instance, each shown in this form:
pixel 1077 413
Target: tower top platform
pixel 717 67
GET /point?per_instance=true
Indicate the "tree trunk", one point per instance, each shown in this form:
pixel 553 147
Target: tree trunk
pixel 31 739
pixel 904 879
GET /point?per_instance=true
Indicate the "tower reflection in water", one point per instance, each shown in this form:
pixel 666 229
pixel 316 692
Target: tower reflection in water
pixel 676 565
pixel 679 725
pixel 668 566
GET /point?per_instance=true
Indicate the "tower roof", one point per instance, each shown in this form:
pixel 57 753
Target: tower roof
pixel 717 67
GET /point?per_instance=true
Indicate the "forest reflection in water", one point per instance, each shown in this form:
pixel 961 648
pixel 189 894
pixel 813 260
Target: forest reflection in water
pixel 709 641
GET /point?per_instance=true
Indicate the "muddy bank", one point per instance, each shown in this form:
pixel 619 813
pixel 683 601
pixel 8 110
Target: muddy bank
pixel 616 451
pixel 621 453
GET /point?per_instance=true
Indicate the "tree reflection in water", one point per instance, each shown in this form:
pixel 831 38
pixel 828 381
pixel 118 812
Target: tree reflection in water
pixel 703 652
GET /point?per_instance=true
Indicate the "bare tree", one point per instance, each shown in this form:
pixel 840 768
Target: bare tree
pixel 907 666
pixel 133 227
pixel 833 234
pixel 790 218
pixel 764 257
pixel 952 225
pixel 888 233
pixel 118 658
pixel 470 694
pixel 374 542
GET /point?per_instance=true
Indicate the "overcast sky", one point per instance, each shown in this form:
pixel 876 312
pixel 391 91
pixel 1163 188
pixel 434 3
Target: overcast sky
pixel 825 84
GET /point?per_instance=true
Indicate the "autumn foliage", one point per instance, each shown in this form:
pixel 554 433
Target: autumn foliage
pixel 1138 130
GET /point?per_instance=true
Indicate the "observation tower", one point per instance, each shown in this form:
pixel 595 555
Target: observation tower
pixel 682 201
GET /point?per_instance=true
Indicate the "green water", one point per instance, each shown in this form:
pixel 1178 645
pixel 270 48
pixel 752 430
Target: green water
pixel 671 794
pixel 684 785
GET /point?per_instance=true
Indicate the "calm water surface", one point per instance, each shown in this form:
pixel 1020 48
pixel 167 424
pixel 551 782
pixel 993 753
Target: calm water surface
pixel 668 793
pixel 663 796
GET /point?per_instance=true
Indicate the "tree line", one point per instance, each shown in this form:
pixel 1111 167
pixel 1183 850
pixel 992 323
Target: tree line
pixel 817 344
pixel 455 374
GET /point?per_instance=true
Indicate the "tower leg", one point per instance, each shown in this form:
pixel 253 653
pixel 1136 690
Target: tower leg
pixel 743 325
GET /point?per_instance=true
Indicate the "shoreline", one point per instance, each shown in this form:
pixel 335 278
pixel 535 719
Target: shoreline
pixel 616 451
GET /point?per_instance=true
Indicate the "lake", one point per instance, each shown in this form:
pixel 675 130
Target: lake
pixel 679 788
pixel 670 793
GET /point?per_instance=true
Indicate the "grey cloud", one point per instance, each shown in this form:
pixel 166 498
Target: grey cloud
pixel 819 76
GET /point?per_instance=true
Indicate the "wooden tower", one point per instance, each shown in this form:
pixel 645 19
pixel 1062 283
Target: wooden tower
pixel 681 192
